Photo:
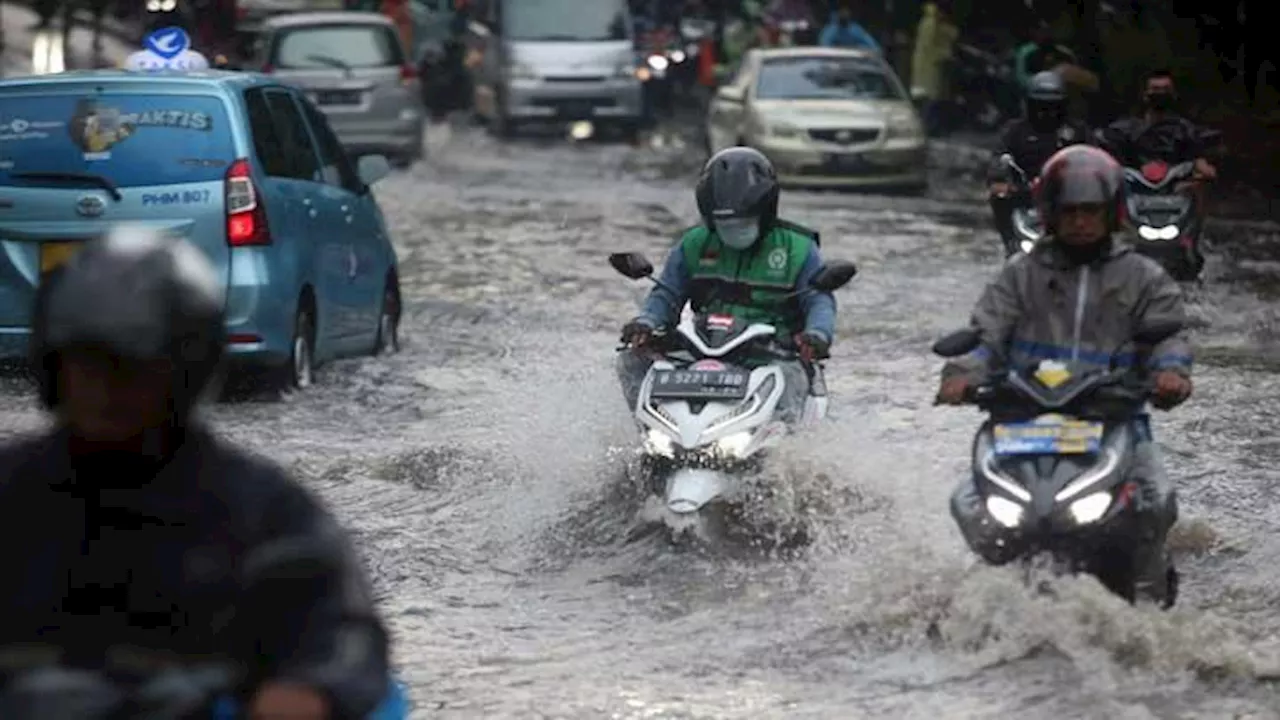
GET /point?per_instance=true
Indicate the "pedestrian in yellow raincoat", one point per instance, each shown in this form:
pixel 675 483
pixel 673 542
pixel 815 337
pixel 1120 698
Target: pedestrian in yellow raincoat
pixel 935 41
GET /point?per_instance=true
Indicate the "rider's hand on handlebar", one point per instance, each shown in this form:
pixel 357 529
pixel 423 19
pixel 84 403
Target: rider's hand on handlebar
pixel 953 391
pixel 1204 170
pixel 1000 189
pixel 637 333
pixel 1171 390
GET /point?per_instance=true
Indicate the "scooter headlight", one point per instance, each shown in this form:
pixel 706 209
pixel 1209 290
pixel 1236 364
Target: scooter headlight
pixel 1090 507
pixel 1168 232
pixel 1028 246
pixel 657 442
pixel 1006 512
pixel 677 56
pixel 734 445
pixel 658 62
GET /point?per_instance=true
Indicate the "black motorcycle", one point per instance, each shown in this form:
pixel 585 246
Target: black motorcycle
pixel 1052 465
pixel 1165 217
pixel 985 91
pixel 1016 216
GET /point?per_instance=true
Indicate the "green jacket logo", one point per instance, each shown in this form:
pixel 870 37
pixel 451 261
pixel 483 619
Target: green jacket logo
pixel 777 260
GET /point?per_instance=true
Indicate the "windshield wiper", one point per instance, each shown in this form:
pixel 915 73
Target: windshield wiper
pixel 331 62
pixel 99 180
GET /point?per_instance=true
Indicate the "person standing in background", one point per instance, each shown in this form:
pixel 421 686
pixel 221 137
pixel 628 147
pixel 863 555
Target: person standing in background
pixel 935 42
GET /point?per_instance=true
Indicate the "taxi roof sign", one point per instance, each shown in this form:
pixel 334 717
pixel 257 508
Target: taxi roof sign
pixel 167 42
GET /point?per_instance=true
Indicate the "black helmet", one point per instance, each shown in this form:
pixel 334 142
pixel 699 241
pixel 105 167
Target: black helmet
pixel 140 294
pixel 738 183
pixel 1079 175
pixel 1046 101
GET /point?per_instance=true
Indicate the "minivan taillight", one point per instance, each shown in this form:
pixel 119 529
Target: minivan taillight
pixel 246 215
pixel 408 73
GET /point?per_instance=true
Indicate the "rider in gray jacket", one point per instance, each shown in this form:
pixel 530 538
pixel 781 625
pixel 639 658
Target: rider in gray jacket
pixel 1080 297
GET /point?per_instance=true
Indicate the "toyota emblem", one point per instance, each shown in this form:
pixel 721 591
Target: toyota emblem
pixel 844 136
pixel 90 205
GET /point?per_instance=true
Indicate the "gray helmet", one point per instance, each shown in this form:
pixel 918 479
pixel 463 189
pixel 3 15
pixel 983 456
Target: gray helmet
pixel 1047 86
pixel 137 293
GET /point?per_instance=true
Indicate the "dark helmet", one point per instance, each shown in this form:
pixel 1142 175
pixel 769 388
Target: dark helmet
pixel 1046 101
pixel 141 295
pixel 1078 175
pixel 738 183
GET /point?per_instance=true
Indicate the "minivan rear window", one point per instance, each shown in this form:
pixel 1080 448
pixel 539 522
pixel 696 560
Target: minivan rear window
pixel 132 139
pixel 337 47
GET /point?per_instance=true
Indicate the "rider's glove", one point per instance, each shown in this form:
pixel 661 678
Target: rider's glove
pixel 1171 390
pixel 637 332
pixel 811 346
pixel 953 391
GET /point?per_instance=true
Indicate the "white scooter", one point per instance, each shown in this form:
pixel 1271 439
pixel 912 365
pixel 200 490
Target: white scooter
pixel 705 419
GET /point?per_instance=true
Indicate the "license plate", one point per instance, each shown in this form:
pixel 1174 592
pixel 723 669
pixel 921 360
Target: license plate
pixel 1162 202
pixel 53 254
pixel 700 384
pixel 1048 436
pixel 845 163
pixel 338 97
pixel 577 110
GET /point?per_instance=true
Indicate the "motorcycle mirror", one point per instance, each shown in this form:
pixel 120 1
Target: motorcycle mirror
pixel 1158 332
pixel 834 275
pixel 633 265
pixel 1007 160
pixel 960 342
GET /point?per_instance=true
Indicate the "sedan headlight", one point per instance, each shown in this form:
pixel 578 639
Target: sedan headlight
pixel 1168 232
pixel 1006 512
pixel 1090 507
pixel 903 127
pixel 521 71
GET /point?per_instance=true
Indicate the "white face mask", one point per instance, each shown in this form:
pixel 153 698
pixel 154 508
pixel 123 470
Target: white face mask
pixel 738 233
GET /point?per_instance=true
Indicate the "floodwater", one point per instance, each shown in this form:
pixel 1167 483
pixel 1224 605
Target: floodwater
pixel 484 472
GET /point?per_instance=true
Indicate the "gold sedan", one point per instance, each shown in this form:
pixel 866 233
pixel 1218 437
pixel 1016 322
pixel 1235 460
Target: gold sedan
pixel 825 117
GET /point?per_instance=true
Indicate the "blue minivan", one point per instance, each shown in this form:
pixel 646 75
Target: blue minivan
pixel 243 167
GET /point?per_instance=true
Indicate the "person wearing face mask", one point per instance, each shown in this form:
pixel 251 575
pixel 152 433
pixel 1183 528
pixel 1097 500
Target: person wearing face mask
pixel 1160 132
pixel 1079 296
pixel 741 260
pixel 1031 140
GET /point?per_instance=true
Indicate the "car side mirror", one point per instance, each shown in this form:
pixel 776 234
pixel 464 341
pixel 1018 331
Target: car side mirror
pixel 372 168
pixel 960 342
pixel 834 275
pixel 633 265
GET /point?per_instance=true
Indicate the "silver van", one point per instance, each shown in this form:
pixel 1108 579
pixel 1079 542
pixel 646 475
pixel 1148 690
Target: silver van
pixel 540 61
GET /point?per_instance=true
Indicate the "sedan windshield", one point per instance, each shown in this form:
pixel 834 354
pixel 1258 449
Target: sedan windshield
pixel 565 20
pixel 826 78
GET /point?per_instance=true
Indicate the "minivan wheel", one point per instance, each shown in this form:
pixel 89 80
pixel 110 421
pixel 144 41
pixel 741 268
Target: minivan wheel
pixel 299 372
pixel 388 341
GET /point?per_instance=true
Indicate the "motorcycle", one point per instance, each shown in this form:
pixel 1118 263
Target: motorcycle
pixel 1052 465
pixel 141 685
pixel 1025 229
pixel 705 418
pixel 1166 217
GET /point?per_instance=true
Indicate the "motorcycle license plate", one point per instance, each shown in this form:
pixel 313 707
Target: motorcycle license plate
pixel 1162 202
pixel 700 384
pixel 1048 436
pixel 846 163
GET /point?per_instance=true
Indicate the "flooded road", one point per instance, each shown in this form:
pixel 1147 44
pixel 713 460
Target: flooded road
pixel 484 470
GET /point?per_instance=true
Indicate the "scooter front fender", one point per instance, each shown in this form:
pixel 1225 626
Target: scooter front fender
pixel 688 490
